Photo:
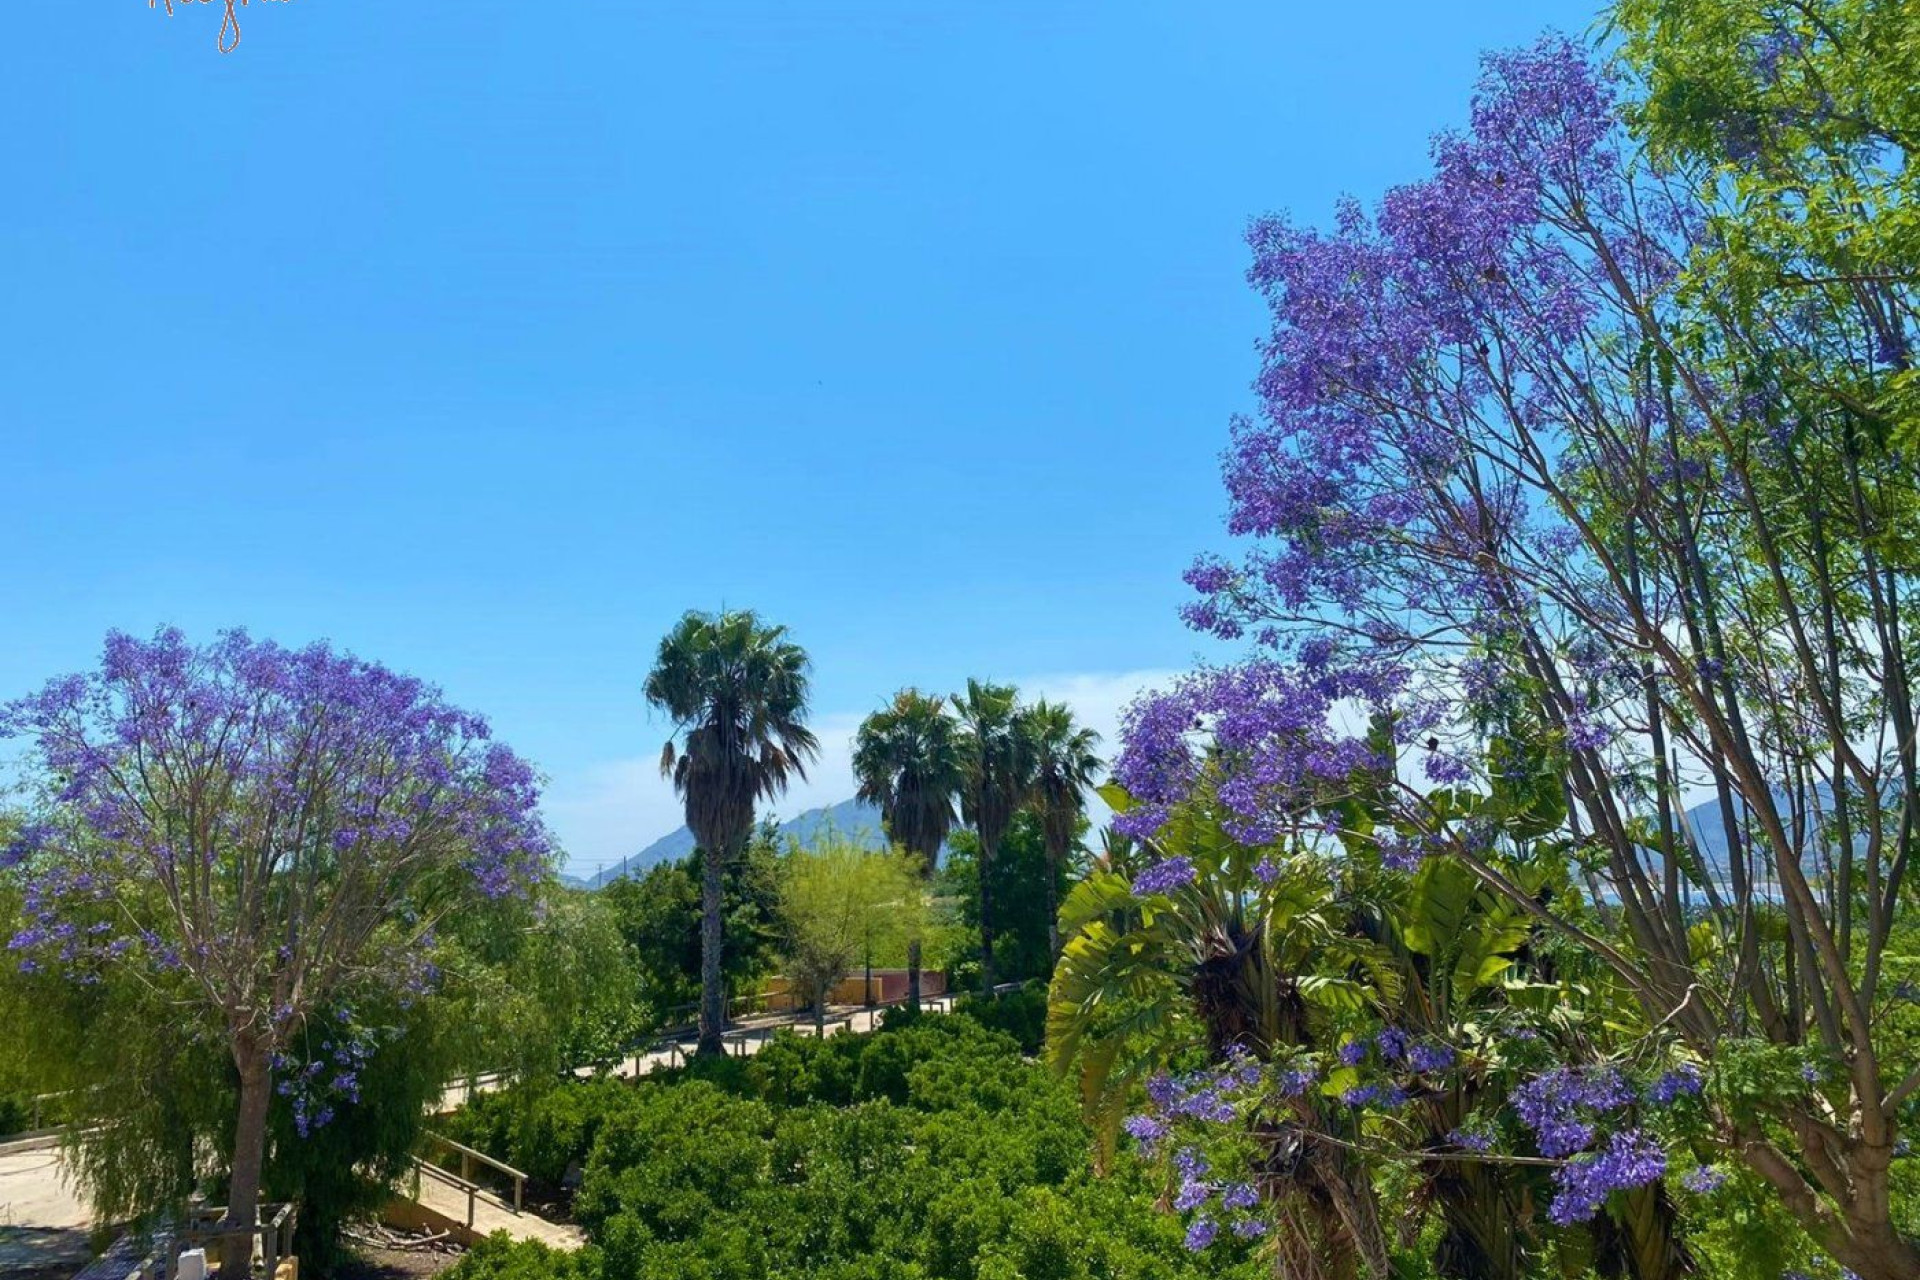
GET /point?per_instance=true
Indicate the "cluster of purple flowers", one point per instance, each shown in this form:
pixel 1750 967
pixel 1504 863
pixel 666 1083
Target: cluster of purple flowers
pixel 1704 1180
pixel 326 1081
pixel 1478 1140
pixel 1683 1081
pixel 1630 1159
pixel 1564 1108
pixel 1217 1096
pixel 1164 877
pixel 1561 1105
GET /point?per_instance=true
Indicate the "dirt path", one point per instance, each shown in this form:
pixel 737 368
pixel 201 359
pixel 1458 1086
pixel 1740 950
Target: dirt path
pixel 43 1222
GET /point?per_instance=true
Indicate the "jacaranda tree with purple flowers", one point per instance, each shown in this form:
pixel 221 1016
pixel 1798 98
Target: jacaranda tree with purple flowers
pixel 261 835
pixel 1535 464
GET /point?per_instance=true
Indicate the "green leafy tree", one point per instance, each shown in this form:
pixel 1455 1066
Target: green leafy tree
pixel 999 779
pixel 838 900
pixel 736 690
pixel 1017 886
pixel 1066 765
pixel 909 760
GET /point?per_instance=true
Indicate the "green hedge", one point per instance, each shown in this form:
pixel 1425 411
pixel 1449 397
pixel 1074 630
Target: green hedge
pixel 1021 1014
pixel 931 1150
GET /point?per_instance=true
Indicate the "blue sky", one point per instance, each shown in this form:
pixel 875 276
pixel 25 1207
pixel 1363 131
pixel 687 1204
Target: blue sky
pixel 485 338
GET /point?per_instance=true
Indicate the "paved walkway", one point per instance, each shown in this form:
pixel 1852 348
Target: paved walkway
pixel 43 1221
pixel 744 1038
pixel 489 1216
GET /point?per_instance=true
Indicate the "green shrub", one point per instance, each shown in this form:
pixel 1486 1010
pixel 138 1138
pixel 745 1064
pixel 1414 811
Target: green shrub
pixel 793 1070
pixel 16 1115
pixel 931 1150
pixel 500 1257
pixel 541 1130
pixel 1021 1014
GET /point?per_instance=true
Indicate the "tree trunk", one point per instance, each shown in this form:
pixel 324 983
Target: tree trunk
pixel 1482 1237
pixel 986 918
pixel 1640 1239
pixel 820 1010
pixel 913 975
pixel 249 1152
pixel 1053 909
pixel 713 992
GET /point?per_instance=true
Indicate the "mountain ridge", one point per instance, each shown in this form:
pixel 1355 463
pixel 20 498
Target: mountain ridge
pixel 853 818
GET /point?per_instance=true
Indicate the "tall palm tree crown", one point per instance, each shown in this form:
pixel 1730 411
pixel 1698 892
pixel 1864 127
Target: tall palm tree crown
pixel 1065 765
pixel 908 759
pixel 999 780
pixel 736 690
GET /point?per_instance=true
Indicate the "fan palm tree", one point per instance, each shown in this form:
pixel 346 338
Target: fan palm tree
pixel 999 778
pixel 908 760
pixel 736 690
pixel 1065 766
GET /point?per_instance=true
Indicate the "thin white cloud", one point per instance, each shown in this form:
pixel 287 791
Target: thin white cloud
pixel 615 808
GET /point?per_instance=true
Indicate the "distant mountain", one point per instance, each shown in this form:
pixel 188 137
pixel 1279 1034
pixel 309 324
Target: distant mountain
pixel 1709 834
pixel 854 819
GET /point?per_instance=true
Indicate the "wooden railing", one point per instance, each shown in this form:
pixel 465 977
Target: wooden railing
pixel 205 1228
pixel 468 1159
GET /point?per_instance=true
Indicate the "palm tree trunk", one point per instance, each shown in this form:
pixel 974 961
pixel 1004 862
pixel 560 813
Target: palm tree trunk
pixel 1053 910
pixel 1482 1237
pixel 713 992
pixel 1641 1241
pixel 986 917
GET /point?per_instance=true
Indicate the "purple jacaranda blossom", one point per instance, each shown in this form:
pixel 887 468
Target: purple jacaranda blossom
pixel 1408 343
pixel 1201 1234
pixel 1353 1052
pixel 1429 1058
pixel 1279 722
pixel 298 750
pixel 1471 1140
pixel 1250 1228
pixel 1239 1195
pixel 1360 1094
pixel 1164 877
pixel 1145 1129
pixel 1191 1195
pixel 1294 1081
pixel 1704 1180
pixel 1683 1081
pixel 1560 1105
pixel 1630 1159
